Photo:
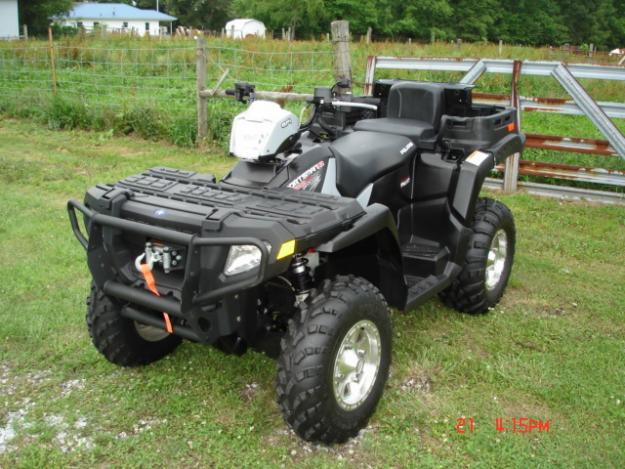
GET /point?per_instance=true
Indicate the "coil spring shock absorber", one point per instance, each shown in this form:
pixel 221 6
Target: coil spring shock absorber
pixel 300 273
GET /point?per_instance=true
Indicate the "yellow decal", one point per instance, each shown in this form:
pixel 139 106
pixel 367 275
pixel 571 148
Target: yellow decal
pixel 287 249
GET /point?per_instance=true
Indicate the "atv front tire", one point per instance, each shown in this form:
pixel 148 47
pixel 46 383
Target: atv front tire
pixel 121 340
pixel 488 261
pixel 335 360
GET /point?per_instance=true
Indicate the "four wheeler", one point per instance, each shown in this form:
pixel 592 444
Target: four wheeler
pixel 300 250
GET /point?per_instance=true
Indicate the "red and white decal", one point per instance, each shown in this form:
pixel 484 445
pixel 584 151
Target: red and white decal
pixel 309 179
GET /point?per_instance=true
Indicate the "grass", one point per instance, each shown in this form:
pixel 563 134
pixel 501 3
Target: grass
pixel 553 348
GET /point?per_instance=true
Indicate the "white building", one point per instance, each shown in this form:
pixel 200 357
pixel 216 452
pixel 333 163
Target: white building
pixel 244 27
pixel 9 20
pixel 116 17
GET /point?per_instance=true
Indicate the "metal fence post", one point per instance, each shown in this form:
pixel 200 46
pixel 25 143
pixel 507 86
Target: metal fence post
pixel 342 59
pixel 52 60
pixel 511 168
pixel 202 110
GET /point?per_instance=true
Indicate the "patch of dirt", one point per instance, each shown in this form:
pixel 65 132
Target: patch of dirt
pixel 142 425
pixel 14 422
pixel 68 437
pixel 14 425
pixel 299 450
pixel 418 382
pixel 73 384
pixel 7 386
pixel 249 392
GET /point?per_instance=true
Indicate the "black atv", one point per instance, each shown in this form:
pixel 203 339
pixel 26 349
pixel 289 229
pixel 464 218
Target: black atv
pixel 301 248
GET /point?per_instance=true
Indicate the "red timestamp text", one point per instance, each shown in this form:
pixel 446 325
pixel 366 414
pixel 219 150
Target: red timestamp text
pixel 506 424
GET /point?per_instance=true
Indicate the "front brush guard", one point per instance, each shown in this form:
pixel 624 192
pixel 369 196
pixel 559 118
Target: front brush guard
pixel 191 301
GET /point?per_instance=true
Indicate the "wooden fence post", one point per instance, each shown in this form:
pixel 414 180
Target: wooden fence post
pixel 342 59
pixel 202 110
pixel 369 32
pixel 52 60
pixel 500 47
pixel 25 31
pixel 511 166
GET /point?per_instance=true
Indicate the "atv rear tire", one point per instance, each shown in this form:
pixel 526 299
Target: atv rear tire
pixel 335 360
pixel 488 261
pixel 121 340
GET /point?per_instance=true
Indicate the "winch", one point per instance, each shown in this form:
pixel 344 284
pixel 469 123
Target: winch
pixel 169 258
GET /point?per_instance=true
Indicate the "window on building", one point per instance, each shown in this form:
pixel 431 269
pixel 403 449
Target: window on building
pixel 79 25
pixel 125 24
pixel 147 26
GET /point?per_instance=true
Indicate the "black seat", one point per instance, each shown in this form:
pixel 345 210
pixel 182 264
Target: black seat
pixel 413 110
pixel 363 157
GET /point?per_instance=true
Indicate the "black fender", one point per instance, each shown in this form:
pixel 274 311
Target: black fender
pixel 377 217
pixel 511 143
pixel 475 168
pixel 370 249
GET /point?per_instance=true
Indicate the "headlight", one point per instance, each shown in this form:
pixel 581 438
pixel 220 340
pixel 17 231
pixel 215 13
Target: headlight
pixel 241 258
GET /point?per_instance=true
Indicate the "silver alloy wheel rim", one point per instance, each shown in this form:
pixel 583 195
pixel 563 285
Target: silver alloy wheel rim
pixel 357 364
pixel 150 333
pixel 496 262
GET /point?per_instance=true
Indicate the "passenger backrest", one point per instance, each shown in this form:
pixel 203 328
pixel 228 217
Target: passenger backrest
pixel 418 101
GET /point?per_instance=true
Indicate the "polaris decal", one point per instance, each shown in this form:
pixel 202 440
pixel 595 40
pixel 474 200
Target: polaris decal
pixel 408 146
pixel 309 179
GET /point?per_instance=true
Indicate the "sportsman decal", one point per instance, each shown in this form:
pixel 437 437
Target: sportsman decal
pixel 309 179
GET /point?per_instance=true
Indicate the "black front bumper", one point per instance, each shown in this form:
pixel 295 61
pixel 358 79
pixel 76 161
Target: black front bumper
pixel 204 303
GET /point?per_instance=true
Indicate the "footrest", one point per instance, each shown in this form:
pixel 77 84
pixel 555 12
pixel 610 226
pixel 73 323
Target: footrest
pixel 423 260
pixel 422 288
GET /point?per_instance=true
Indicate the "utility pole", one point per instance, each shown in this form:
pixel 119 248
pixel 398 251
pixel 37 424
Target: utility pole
pixel 157 6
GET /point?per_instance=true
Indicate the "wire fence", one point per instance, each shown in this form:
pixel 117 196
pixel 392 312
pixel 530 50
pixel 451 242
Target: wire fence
pixel 150 89
pixel 157 75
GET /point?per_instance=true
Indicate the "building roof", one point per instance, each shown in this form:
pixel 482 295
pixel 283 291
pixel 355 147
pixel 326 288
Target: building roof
pixel 114 11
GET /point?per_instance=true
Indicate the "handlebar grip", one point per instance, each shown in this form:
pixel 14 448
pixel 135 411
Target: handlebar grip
pixel 229 92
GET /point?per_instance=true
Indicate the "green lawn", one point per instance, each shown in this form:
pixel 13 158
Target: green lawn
pixel 553 350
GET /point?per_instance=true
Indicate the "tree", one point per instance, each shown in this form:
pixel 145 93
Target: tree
pixel 475 20
pixel 306 17
pixel 36 14
pixel 201 14
pixel 417 18
pixel 533 22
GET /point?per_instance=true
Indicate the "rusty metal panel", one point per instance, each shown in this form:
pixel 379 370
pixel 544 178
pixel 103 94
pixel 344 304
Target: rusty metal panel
pixel 570 144
pixel 570 172
pixel 546 104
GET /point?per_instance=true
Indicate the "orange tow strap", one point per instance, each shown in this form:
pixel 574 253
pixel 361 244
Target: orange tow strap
pixel 151 284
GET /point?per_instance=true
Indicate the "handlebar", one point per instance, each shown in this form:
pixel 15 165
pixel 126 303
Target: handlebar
pixel 372 107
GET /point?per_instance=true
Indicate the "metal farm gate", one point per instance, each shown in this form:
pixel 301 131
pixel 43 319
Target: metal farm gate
pixel 581 103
